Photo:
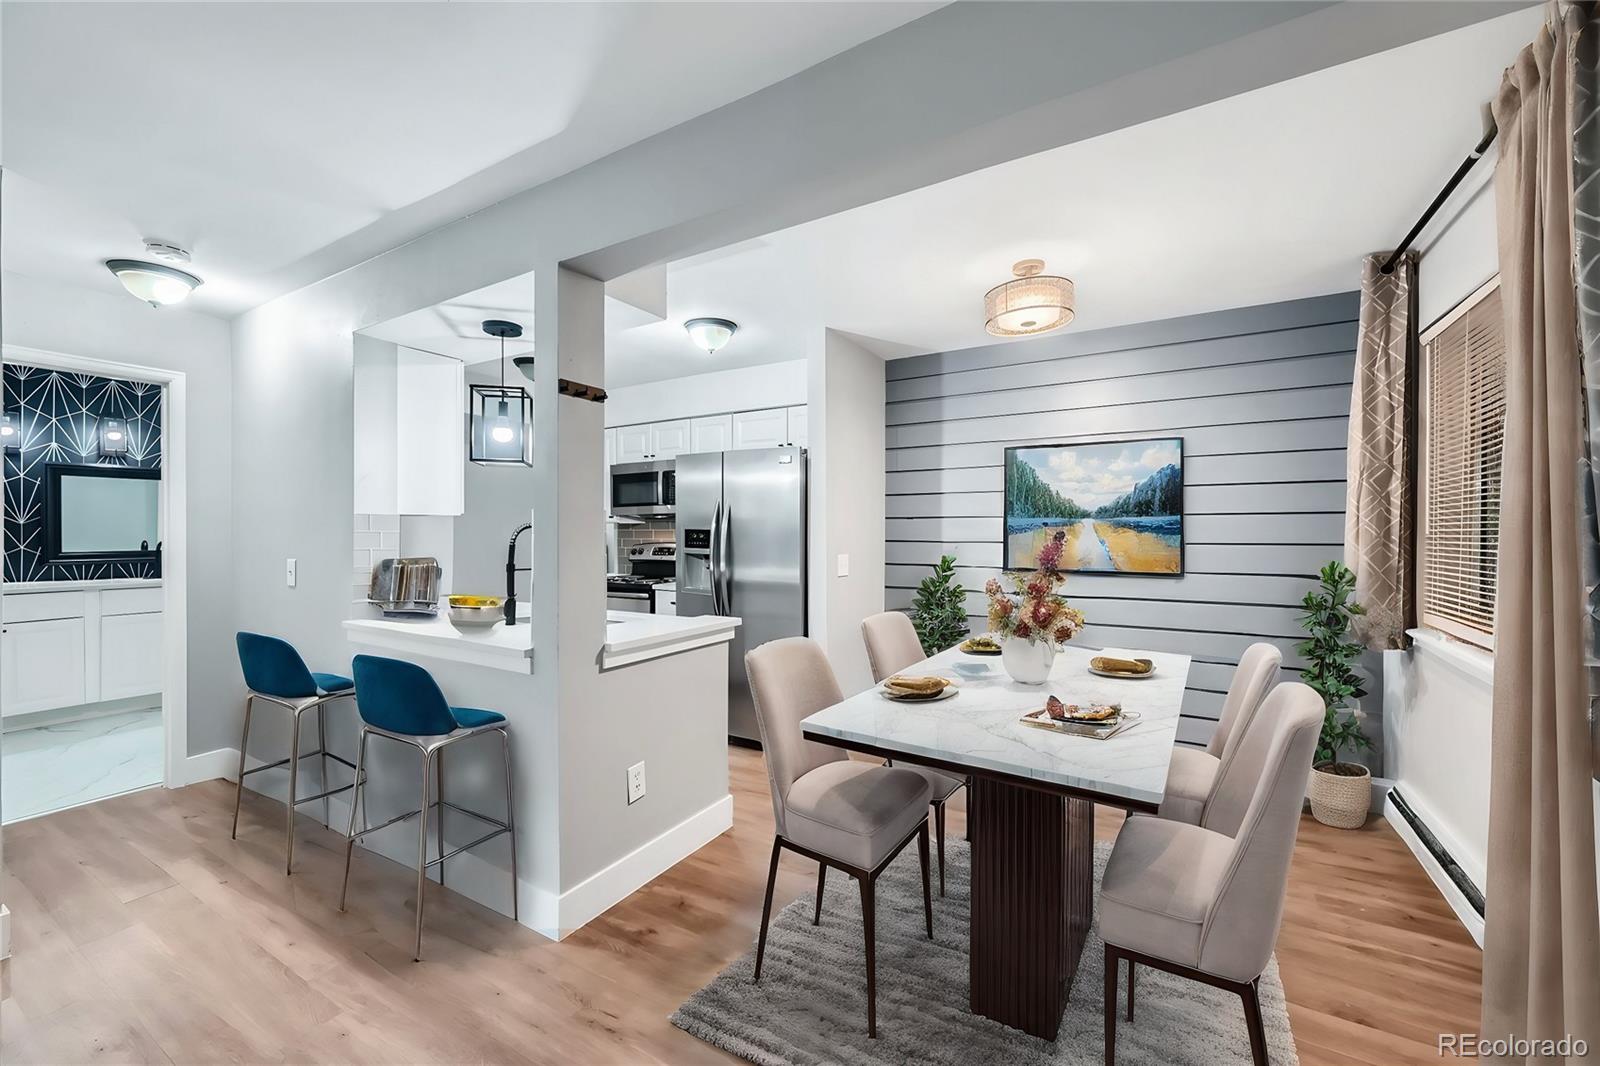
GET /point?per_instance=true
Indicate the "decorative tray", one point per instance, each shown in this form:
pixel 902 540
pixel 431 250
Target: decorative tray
pixel 1103 729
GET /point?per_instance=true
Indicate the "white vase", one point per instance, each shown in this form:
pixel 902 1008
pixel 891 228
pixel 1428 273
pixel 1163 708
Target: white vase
pixel 1028 662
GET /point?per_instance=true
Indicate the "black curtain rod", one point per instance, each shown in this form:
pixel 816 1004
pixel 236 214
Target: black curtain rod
pixel 1444 194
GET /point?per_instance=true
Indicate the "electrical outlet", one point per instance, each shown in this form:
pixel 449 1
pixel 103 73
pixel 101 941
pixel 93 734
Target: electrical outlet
pixel 289 572
pixel 636 782
pixel 844 565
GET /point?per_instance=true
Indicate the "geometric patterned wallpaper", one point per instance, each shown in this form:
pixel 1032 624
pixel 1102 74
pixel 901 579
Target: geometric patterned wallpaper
pixel 56 415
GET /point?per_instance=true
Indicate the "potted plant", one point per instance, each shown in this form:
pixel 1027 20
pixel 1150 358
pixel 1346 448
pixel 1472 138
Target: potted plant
pixel 1341 792
pixel 1033 621
pixel 940 609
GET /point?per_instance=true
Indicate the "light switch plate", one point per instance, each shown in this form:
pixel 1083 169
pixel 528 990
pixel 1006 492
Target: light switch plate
pixel 289 572
pixel 636 782
pixel 844 565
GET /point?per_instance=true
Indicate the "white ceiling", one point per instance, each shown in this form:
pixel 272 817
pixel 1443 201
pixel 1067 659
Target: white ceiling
pixel 282 143
pixel 1272 195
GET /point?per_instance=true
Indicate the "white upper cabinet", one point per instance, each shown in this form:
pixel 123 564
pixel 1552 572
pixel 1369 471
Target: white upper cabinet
pixel 797 426
pixel 668 440
pixel 761 429
pixel 633 444
pixel 713 434
pixel 410 435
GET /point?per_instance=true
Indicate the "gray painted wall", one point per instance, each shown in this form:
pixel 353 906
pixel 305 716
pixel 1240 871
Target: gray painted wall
pixel 1261 396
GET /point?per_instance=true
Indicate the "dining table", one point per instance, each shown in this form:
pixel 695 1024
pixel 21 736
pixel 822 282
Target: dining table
pixel 1030 805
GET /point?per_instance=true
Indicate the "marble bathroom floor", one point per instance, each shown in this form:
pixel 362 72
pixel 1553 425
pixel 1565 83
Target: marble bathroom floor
pixel 50 767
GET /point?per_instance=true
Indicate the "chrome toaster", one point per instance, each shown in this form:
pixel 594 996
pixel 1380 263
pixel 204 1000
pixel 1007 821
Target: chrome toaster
pixel 405 586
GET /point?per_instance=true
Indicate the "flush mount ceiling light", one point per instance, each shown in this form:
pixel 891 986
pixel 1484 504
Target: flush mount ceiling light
pixel 156 283
pixel 1032 302
pixel 501 430
pixel 710 333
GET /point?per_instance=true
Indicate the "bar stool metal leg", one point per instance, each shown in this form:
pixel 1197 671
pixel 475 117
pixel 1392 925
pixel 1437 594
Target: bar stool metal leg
pixel 438 796
pixel 357 796
pixel 322 746
pixel 511 824
pixel 244 742
pixel 294 774
pixel 422 850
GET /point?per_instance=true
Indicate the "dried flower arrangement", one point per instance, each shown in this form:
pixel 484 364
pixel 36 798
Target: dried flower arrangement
pixel 1033 611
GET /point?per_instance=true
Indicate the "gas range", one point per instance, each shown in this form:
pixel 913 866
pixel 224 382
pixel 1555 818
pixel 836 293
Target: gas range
pixel 649 565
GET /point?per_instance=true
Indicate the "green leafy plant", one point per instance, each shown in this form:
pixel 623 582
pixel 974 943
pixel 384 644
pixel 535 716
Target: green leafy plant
pixel 940 609
pixel 1332 653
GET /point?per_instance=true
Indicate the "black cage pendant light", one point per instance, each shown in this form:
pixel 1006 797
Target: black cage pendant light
pixel 501 427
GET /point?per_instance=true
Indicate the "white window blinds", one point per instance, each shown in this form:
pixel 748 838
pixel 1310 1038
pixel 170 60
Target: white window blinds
pixel 1465 417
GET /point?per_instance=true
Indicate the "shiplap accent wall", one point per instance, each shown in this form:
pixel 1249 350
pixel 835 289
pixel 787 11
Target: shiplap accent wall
pixel 1261 397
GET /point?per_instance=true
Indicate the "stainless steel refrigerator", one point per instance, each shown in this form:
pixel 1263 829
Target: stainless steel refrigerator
pixel 742 552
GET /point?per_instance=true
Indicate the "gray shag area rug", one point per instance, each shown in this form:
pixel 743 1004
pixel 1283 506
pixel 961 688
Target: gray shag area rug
pixel 811 1004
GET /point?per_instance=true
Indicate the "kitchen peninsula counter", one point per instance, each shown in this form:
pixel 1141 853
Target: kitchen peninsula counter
pixel 630 638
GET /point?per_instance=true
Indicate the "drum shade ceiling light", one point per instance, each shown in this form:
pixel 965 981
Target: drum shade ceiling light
pixel 710 333
pixel 1032 302
pixel 156 283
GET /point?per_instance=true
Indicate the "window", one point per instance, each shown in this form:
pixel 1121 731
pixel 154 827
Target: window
pixel 1464 413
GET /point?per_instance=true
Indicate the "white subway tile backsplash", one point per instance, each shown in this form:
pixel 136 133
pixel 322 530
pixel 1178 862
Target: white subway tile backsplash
pixel 386 523
pixel 363 522
pixel 368 540
pixel 389 542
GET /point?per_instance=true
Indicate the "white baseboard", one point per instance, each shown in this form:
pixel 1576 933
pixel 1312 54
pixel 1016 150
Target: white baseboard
pixel 597 894
pixel 5 931
pixel 208 766
pixel 1464 911
pixel 540 909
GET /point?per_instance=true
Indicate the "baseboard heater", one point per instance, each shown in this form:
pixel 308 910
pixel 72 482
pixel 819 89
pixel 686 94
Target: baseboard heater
pixel 1442 856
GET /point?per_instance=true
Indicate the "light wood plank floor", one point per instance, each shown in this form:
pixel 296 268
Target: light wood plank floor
pixel 142 933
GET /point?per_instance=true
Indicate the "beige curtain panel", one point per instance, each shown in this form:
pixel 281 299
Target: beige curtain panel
pixel 1381 467
pixel 1542 925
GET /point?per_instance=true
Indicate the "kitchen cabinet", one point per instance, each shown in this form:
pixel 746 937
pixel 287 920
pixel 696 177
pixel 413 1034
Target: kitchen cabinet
pixel 668 440
pixel 81 645
pixel 130 655
pixel 761 429
pixel 797 426
pixel 42 665
pixel 713 434
pixel 409 442
pixel 666 599
pixel 633 444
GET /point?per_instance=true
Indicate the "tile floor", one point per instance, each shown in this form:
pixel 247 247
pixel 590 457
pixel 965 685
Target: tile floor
pixel 51 767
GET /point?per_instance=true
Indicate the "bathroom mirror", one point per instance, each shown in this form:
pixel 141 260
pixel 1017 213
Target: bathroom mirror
pixel 101 513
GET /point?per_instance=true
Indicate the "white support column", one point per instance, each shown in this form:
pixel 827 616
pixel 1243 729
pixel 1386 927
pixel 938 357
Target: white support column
pixel 569 517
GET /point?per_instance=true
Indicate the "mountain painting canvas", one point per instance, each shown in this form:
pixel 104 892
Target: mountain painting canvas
pixel 1121 504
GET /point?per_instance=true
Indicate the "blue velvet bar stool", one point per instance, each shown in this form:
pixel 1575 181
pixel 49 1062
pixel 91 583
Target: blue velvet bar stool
pixel 401 701
pixel 275 674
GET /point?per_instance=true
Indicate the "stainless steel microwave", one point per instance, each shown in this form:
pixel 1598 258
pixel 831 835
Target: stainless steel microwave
pixel 644 489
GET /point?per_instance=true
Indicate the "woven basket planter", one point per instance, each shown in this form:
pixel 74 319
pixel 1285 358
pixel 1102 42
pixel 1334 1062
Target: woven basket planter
pixel 1341 800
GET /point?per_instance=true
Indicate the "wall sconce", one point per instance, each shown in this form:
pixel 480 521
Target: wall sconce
pixel 10 435
pixel 501 422
pixel 113 436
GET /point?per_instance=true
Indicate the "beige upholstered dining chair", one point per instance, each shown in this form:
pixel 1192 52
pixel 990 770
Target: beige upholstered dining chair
pixel 1205 901
pixel 853 816
pixel 1194 773
pixel 893 645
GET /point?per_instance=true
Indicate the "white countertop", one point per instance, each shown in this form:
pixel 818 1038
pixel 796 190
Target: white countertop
pixel 18 587
pixel 630 638
pixel 979 728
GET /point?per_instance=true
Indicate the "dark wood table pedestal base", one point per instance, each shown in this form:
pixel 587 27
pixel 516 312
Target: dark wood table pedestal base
pixel 1032 902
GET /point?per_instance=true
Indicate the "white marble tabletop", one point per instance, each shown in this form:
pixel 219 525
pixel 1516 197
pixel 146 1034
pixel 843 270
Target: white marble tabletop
pixel 979 729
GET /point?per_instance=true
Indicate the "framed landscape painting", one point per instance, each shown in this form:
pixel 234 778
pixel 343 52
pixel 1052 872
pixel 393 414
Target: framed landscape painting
pixel 1121 503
